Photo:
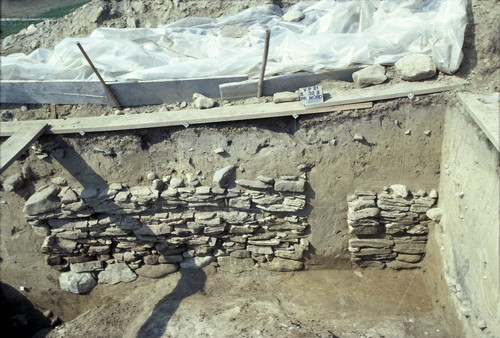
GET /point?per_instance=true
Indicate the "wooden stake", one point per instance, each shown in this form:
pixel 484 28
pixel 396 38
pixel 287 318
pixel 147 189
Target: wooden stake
pixel 106 87
pixel 264 64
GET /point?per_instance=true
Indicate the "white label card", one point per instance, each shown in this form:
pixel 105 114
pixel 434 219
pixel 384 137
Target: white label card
pixel 311 95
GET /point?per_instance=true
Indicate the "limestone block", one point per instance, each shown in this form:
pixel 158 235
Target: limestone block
pixel 13 182
pixel 117 273
pixel 77 282
pixel 41 229
pixel 157 271
pixel 223 177
pixel 86 266
pixel 371 264
pixel 368 76
pixel 366 229
pixel 296 203
pixel 195 263
pixel 240 202
pixel 280 264
pixel 263 250
pixel 52 244
pixel 435 214
pixel 240 254
pixel 69 197
pixel 269 242
pixel 410 248
pixel 43 201
pixel 359 204
pixel 400 190
pixel 72 234
pixel 409 258
pixel 363 213
pixel 214 230
pixel 370 243
pixel 252 184
pixel 286 254
pixel 415 67
pixel 399 265
pixel 235 265
pixel 289 185
pixel 144 194
pixel 154 230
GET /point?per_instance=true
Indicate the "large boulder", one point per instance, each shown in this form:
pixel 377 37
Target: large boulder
pixel 223 177
pixel 416 67
pixel 43 201
pixel 77 282
pixel 117 273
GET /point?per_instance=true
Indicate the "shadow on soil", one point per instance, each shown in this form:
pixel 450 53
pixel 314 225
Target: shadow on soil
pixel 191 282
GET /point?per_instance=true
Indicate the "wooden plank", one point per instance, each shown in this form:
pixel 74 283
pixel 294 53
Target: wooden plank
pixel 129 94
pixel 16 144
pixel 289 82
pixel 486 115
pixel 177 118
pixel 398 90
pixel 353 99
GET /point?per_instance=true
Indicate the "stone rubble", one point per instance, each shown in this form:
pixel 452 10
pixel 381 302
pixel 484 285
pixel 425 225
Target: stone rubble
pixel 371 75
pixel 389 229
pixel 119 232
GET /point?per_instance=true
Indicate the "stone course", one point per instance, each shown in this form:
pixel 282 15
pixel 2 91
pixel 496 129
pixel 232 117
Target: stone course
pixel 119 232
pixel 389 229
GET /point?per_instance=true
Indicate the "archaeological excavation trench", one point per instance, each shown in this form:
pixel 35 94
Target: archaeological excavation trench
pixel 201 210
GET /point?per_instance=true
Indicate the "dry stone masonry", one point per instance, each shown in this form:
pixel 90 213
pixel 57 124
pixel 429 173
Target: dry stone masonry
pixel 389 228
pixel 111 235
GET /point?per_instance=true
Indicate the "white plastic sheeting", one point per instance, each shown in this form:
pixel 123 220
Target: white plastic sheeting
pixel 333 34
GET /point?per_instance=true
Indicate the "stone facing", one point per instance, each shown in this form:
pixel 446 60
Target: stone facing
pixel 114 233
pixel 389 229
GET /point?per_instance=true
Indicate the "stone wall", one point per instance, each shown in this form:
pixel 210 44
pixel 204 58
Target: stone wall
pixel 113 234
pixel 389 228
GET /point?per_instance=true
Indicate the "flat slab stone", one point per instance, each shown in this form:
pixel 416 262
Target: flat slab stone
pixel 235 265
pixel 43 201
pixel 117 273
pixel 157 271
pixel 282 265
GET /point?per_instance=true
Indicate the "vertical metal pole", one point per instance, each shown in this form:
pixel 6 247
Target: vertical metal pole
pixel 264 64
pixel 106 87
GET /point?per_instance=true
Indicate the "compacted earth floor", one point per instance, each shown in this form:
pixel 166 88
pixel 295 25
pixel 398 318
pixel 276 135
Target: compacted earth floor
pixel 316 303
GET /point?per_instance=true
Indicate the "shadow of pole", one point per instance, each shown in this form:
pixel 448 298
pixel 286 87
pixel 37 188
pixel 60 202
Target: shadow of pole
pixel 191 282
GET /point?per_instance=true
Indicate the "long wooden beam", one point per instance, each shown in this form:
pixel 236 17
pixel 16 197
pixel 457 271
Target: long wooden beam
pixel 16 145
pixel 176 118
pixel 354 99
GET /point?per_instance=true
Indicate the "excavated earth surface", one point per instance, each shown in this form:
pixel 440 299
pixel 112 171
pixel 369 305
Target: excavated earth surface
pixel 316 303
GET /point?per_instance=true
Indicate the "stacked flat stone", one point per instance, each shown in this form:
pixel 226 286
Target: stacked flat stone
pixel 118 232
pixel 389 228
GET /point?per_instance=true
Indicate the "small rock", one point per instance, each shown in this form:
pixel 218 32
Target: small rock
pixel 6 116
pixel 60 181
pixel 369 76
pixel 24 109
pixel 202 102
pixel 433 193
pixel 400 190
pixel 77 282
pixel 293 15
pixel 157 271
pixel 220 151
pixel 285 97
pixel 131 22
pixel 117 273
pixel 151 176
pixel 47 313
pixel 119 112
pixel 223 177
pixel 13 182
pixel 407 132
pixel 416 67
pixel 460 194
pixel 358 137
pixel 435 214
pixel 427 132
pixel 304 167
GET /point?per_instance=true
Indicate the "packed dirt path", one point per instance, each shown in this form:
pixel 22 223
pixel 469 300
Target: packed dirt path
pixel 317 303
